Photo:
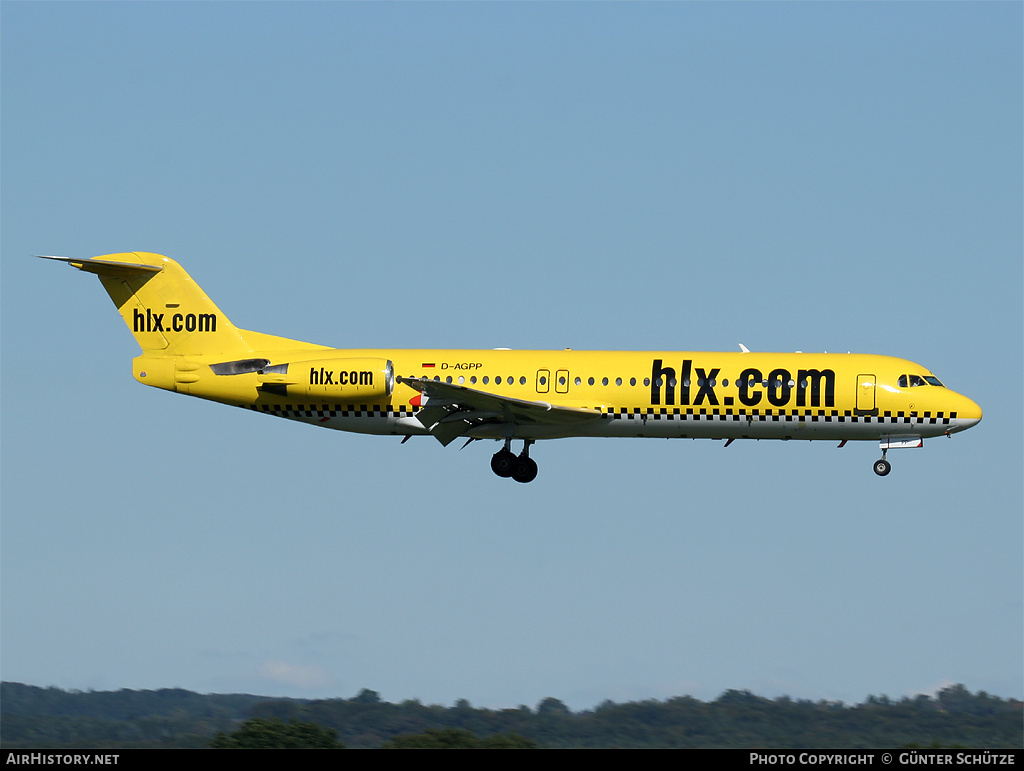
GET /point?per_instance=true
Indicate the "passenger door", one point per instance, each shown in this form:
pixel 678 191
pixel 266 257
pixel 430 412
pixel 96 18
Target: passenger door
pixel 866 395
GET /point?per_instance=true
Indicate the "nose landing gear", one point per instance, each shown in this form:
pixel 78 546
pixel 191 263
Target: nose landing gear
pixel 521 468
pixel 882 466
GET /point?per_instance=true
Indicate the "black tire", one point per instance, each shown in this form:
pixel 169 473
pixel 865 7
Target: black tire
pixel 525 470
pixel 882 467
pixel 503 463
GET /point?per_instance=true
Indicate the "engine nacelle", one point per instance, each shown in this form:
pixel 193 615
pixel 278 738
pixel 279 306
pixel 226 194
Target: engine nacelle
pixel 366 378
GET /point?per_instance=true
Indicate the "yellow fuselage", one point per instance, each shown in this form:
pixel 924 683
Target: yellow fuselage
pixel 637 393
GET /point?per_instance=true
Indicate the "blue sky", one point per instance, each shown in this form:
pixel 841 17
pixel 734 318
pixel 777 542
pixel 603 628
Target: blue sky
pixel 673 176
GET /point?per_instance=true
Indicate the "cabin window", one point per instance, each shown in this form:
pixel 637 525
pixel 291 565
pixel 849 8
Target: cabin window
pixel 618 381
pixel 522 381
pixel 604 381
pixel 590 381
pixel 632 381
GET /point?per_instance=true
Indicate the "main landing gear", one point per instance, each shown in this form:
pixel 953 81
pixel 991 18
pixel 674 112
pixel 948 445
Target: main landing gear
pixel 882 466
pixel 521 468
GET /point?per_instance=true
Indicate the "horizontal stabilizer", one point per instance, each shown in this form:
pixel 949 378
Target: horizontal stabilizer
pixel 107 267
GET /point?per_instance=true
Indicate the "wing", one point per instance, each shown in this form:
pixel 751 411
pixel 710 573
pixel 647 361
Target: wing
pixel 449 410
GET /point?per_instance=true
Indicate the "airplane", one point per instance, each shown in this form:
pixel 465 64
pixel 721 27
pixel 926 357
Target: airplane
pixel 189 346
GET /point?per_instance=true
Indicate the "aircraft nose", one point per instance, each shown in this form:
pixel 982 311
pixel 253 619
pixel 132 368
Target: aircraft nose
pixel 968 413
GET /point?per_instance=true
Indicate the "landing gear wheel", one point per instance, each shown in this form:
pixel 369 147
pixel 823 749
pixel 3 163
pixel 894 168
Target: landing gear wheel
pixel 503 463
pixel 882 467
pixel 525 469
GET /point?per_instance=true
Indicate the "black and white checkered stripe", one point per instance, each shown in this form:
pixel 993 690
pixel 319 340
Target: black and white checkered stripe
pixel 629 413
pixel 775 416
pixel 335 410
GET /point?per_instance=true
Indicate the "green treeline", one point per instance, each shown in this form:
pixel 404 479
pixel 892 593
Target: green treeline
pixel 52 718
pixel 260 733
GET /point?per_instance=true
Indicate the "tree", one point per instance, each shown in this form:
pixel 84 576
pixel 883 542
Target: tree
pixel 552 706
pixel 458 739
pixel 273 733
pixel 366 696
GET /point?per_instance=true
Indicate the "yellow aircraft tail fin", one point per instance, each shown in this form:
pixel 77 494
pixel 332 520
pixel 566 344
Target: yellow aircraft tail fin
pixel 166 311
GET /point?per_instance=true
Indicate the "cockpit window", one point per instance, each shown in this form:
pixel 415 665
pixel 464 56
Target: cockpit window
pixel 910 381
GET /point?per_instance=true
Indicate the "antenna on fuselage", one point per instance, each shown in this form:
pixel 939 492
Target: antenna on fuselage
pixel 744 348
